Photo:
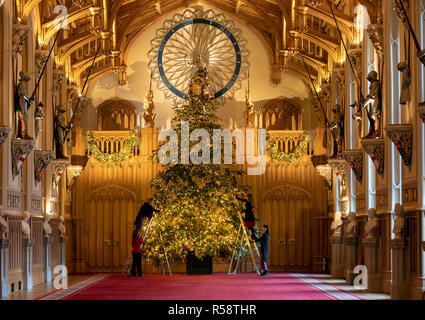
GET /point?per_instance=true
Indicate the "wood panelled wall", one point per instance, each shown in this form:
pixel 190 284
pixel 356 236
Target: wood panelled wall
pixel 15 250
pixel 291 199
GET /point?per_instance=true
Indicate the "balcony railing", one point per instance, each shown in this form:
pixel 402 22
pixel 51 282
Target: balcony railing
pixel 288 140
pixel 113 141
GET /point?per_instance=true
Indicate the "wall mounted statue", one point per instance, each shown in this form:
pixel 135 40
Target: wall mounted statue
pixel 404 68
pixel 337 128
pixel 60 127
pixel 38 116
pixel 374 99
pixel 372 223
pixel 22 103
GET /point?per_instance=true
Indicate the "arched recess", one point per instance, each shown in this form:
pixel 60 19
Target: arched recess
pixel 282 114
pixel 109 213
pixel 287 207
pixel 116 115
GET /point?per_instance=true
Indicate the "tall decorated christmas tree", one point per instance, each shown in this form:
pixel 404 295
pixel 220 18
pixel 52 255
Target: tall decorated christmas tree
pixel 197 202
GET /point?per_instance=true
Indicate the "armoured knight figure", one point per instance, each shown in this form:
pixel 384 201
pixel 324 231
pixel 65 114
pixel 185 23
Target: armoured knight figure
pixel 337 128
pixel 149 115
pixel 22 103
pixel 374 99
pixel 405 97
pixel 4 225
pixel 372 223
pixel 60 127
pixel 249 113
pixel 38 116
pixel 399 221
pixel 357 115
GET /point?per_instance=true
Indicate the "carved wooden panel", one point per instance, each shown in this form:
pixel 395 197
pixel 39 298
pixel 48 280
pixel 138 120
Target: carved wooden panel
pixel 116 115
pixel 15 247
pixel 110 217
pixel 281 114
pixel 288 212
pixel 55 242
pixel 37 236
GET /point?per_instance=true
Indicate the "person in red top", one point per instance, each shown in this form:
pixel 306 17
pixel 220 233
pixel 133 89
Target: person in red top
pixel 137 255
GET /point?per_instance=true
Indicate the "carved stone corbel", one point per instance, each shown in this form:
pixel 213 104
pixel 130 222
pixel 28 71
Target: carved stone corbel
pixel 355 160
pixel 356 59
pixel 58 77
pixel 339 166
pixel 72 174
pixel 42 159
pixel 375 148
pixel 20 150
pixel 376 36
pixel 402 136
pixel 325 171
pixel 40 59
pixel 19 35
pixel 4 133
pixel 421 111
pixel 58 169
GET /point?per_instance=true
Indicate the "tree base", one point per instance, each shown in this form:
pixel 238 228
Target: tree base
pixel 197 266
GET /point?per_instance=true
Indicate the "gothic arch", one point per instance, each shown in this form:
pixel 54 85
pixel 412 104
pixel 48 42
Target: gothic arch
pixel 116 115
pixel 287 188
pixel 118 192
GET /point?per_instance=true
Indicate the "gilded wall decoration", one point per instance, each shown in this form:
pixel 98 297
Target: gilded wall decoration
pixel 402 136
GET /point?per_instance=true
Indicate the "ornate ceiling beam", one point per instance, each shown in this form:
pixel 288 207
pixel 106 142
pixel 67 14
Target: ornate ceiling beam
pixel 328 46
pixel 345 25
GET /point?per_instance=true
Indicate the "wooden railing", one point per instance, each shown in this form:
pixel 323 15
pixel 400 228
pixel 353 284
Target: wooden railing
pixel 287 141
pixel 113 141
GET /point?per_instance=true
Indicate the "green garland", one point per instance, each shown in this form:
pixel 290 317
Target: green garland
pixel 114 159
pixel 287 158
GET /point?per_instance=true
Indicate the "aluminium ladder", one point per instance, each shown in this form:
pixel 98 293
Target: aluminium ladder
pixel 144 230
pixel 245 241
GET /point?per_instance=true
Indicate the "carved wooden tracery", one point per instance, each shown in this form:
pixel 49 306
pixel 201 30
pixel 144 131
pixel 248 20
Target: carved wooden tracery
pixel 116 115
pixel 281 114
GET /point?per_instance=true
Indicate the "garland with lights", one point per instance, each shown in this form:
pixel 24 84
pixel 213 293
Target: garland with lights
pixel 114 159
pixel 291 157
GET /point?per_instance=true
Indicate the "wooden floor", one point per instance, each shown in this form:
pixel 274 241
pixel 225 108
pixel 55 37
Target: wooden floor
pixel 43 289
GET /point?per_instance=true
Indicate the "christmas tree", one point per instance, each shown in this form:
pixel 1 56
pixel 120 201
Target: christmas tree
pixel 197 202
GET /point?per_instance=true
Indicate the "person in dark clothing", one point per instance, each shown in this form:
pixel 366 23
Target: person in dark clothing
pixel 137 254
pixel 264 249
pixel 146 210
pixel 249 214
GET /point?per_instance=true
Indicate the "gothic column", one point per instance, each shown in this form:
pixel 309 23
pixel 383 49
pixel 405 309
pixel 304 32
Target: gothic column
pixel 27 263
pixel 399 274
pixel 4 285
pixel 47 259
pixel 371 245
pixel 62 250
pixel 337 268
pixel 350 244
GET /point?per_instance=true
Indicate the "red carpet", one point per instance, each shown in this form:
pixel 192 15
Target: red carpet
pixel 211 287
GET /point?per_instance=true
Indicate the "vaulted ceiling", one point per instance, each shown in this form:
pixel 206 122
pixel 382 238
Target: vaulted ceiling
pixel 290 29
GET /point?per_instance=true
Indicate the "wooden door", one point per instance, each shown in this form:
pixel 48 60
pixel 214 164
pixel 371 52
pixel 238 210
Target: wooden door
pixel 287 211
pixel 110 216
